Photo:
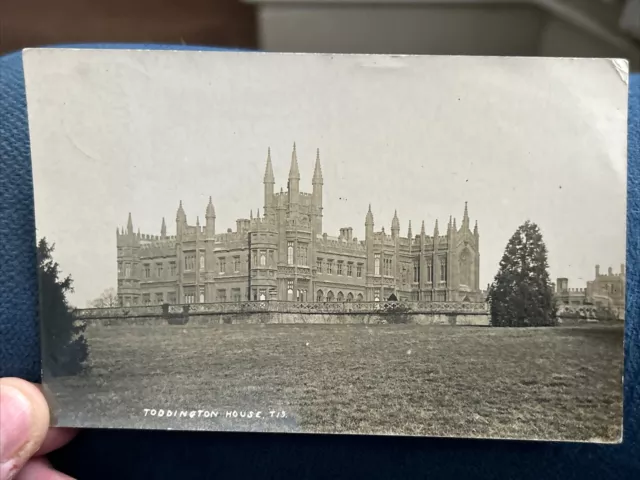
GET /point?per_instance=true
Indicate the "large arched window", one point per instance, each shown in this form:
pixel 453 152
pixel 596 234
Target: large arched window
pixel 320 296
pixel 360 297
pixel 263 259
pixel 340 297
pixel 376 264
pixel 330 296
pixel 465 267
pixel 350 297
pixel 290 253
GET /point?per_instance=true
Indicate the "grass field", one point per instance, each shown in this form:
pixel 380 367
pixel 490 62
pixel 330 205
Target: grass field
pixel 554 383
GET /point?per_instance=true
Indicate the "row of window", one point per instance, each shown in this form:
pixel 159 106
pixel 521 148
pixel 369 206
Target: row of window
pixel 157 298
pixel 260 258
pixel 328 267
pixel 443 271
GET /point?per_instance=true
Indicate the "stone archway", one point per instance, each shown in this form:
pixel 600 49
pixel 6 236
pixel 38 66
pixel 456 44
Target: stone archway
pixel 350 297
pixel 392 298
pixel 329 296
pixel 340 297
pixel 320 296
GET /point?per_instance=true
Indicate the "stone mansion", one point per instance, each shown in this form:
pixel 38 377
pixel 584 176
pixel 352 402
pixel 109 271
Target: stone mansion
pixel 285 255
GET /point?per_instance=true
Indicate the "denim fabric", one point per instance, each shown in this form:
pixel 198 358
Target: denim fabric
pixel 113 454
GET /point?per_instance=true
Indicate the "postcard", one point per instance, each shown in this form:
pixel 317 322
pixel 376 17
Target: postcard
pixel 344 244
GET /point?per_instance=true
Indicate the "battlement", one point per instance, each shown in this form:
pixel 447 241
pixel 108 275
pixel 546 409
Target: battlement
pixel 610 272
pixel 337 243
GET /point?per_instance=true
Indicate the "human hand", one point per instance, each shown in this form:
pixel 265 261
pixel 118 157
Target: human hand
pixel 25 435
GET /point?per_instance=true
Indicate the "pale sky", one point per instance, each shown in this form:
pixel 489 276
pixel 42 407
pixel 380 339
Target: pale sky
pixel 119 131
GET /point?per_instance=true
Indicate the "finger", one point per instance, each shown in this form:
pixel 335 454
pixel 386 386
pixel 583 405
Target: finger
pixel 24 422
pixel 56 438
pixel 40 469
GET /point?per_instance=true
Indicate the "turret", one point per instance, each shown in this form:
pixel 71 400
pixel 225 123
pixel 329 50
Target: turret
pixel 316 194
pixel 597 271
pixel 395 225
pixel 409 232
pixel 210 218
pixel 269 184
pixel 436 231
pixel 294 179
pixel 475 230
pixel 163 229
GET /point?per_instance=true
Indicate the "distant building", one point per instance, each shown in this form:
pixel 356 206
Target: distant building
pixel 284 254
pixel 604 291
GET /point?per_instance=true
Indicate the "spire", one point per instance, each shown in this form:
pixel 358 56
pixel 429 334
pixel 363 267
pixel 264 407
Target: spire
pixel 422 230
pixel 251 214
pixel 294 172
pixel 180 215
pixel 211 211
pixel 163 229
pixel 258 215
pixel 129 224
pixel 455 228
pixel 409 232
pixel 450 224
pixel 369 218
pixel 395 224
pixel 198 221
pixel 465 217
pixel 268 171
pixel 117 230
pixel 475 229
pixel 436 231
pixel 317 171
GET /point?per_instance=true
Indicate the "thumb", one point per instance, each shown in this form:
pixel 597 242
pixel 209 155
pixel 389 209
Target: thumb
pixel 24 422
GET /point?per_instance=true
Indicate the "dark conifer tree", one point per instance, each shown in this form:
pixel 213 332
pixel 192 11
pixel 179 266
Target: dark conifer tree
pixel 62 338
pixel 521 294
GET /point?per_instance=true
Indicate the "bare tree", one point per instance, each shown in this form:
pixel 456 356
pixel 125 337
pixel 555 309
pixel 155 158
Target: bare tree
pixel 107 299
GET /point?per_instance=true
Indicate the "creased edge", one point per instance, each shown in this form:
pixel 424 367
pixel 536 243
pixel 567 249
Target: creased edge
pixel 622 67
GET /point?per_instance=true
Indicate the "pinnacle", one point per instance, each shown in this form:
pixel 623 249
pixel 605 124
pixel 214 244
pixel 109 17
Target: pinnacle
pixel 268 171
pixel 317 171
pixel 294 171
pixel 369 219
pixel 211 211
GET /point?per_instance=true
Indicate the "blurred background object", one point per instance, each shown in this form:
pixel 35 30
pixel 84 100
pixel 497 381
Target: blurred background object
pixel 569 28
pixel 574 28
pixel 34 23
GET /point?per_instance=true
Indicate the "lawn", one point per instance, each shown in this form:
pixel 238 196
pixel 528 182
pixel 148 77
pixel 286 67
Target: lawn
pixel 548 383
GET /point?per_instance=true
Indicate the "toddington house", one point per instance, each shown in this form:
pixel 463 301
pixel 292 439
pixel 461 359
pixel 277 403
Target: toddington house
pixel 285 255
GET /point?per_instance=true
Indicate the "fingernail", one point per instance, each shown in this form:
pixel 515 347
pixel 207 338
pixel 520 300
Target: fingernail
pixel 15 422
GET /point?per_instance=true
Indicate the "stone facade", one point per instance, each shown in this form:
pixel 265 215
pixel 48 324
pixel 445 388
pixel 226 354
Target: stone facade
pixel 605 291
pixel 285 255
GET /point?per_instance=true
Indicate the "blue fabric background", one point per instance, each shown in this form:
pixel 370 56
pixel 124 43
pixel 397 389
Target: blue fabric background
pixel 145 454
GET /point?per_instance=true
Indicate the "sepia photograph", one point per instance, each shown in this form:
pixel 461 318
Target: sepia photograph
pixel 335 244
